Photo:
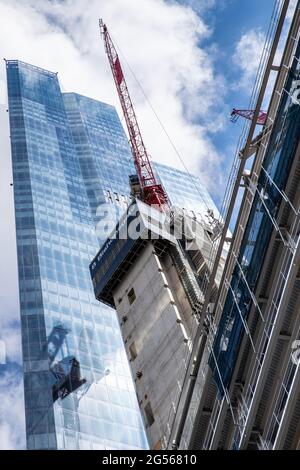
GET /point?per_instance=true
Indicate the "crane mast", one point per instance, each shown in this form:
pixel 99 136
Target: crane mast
pixel 152 192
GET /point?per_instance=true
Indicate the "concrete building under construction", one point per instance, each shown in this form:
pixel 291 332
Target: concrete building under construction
pixel 153 278
pixel 213 339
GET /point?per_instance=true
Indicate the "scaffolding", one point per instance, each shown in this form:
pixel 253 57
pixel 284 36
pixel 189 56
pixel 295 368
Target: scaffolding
pixel 254 191
pixel 241 417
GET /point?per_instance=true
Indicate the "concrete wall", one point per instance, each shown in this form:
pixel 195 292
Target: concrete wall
pixel 157 326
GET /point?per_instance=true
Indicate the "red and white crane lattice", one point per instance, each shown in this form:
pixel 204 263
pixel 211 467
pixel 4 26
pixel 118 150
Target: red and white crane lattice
pixel 152 192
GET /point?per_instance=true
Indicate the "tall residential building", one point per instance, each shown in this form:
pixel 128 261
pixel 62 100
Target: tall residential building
pixel 71 163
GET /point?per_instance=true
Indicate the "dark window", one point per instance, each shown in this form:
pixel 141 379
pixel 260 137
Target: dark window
pixel 131 296
pixel 133 352
pixel 149 414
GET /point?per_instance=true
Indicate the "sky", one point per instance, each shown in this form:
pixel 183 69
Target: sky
pixel 192 60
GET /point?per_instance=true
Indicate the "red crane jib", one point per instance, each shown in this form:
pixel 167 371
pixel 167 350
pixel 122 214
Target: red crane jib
pixel 152 192
pixel 119 71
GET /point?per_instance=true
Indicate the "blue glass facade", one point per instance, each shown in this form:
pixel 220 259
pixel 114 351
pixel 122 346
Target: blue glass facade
pixel 277 162
pixel 61 321
pixel 102 150
pixel 185 190
pixel 70 155
pixel 104 156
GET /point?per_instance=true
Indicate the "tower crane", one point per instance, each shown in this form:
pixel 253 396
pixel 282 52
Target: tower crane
pixel 248 114
pixel 152 192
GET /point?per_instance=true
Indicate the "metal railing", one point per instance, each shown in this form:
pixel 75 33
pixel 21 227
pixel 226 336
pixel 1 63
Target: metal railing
pixel 282 399
pixel 271 318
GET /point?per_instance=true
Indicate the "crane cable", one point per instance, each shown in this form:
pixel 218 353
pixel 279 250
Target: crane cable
pixel 160 123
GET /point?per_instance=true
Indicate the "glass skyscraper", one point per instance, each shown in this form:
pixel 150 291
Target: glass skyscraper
pixel 70 156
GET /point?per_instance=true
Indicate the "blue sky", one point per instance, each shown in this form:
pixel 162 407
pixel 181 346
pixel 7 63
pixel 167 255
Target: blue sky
pixel 191 61
pixel 230 21
pixel 193 70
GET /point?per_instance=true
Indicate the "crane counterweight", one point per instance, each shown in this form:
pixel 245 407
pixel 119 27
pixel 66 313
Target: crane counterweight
pixel 249 114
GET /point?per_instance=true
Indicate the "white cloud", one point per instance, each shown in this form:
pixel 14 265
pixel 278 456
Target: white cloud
pixel 12 420
pixel 9 297
pixel 12 427
pixel 160 40
pixel 249 50
pixel 247 56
